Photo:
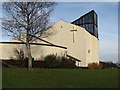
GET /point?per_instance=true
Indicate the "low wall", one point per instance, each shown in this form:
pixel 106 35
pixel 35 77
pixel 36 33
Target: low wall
pixel 22 63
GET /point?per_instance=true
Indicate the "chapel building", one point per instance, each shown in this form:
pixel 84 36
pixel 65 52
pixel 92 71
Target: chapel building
pixel 77 40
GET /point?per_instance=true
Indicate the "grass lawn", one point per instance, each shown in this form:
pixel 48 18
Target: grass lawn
pixel 59 78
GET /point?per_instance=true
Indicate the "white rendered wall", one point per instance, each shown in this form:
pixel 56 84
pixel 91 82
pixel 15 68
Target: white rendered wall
pixel 62 36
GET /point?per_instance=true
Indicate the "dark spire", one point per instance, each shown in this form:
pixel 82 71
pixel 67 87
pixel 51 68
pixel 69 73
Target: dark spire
pixel 89 22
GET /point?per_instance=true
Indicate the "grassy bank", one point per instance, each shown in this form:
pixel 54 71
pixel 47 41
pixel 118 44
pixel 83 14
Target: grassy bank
pixel 59 78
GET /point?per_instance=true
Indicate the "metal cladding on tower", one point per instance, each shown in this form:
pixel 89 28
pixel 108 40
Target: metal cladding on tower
pixel 89 22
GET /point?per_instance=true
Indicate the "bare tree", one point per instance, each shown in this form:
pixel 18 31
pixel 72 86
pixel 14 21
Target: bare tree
pixel 26 19
pixel 19 53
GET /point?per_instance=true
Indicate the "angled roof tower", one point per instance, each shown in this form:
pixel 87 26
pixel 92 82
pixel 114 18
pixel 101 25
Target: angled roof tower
pixel 89 22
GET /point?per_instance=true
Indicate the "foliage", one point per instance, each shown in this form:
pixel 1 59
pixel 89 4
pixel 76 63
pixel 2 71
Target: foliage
pixel 67 63
pixel 95 66
pixel 39 64
pixel 23 63
pixel 108 64
pixel 52 61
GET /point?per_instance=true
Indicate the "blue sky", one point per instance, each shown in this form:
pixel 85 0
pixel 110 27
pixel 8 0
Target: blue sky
pixel 107 22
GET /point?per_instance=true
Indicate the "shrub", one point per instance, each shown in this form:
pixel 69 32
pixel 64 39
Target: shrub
pixel 67 63
pixel 51 61
pixel 95 66
pixel 108 64
pixel 14 63
pixel 39 64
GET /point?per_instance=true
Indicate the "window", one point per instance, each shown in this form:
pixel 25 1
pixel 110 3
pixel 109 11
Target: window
pixel 88 51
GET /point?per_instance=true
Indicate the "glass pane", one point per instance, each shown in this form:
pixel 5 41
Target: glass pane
pixel 90 17
pixel 89 22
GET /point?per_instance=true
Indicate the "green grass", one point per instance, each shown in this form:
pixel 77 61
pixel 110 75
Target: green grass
pixel 59 78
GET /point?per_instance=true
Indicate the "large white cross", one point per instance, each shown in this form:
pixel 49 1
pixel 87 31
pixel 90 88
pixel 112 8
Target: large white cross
pixel 73 34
